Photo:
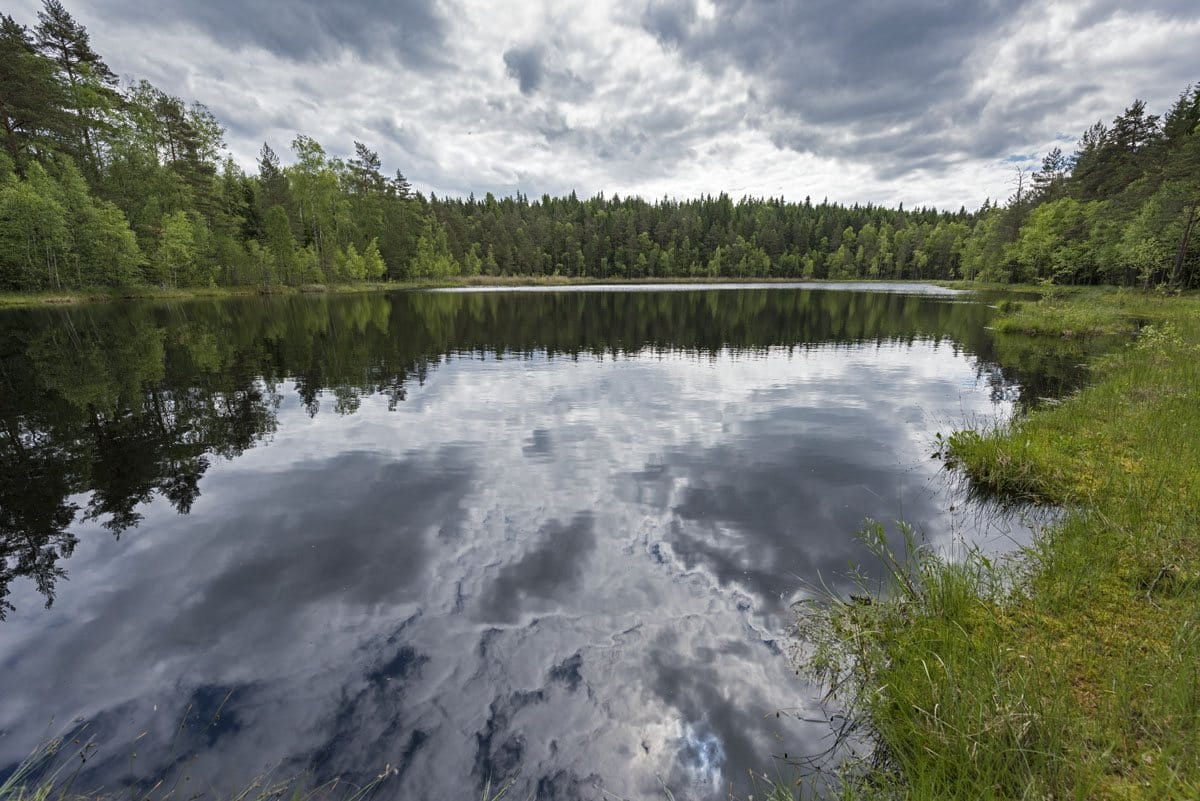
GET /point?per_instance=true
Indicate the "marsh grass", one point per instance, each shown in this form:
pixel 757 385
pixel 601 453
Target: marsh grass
pixel 1072 670
pixel 1068 312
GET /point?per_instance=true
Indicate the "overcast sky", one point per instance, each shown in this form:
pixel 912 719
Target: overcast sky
pixel 919 101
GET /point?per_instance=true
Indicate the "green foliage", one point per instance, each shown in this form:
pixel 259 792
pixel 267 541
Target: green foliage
pixel 151 178
pixel 433 259
pixel 33 231
pixel 1054 242
pixel 707 237
pixel 263 265
pixel 107 251
pixel 307 267
pixel 472 264
pixel 374 267
pixel 32 112
pixel 53 234
pixel 1067 314
pixel 353 266
pixel 175 259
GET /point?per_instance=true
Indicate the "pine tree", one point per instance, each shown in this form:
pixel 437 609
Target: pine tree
pixel 365 171
pixel 1048 182
pixel 1184 116
pixel 90 84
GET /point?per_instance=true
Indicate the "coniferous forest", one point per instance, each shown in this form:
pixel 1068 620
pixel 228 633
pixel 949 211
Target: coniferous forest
pixel 105 184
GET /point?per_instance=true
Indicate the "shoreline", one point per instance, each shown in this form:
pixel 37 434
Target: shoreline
pixel 15 300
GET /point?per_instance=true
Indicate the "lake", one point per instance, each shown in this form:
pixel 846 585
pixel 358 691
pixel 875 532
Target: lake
pixel 550 538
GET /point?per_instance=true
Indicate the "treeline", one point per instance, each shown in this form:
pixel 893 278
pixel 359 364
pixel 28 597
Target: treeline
pixel 103 185
pixel 710 237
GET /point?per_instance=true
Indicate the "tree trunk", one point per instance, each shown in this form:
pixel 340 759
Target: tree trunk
pixel 1183 244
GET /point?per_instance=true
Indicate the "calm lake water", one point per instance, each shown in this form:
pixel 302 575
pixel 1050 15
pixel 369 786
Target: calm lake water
pixel 545 535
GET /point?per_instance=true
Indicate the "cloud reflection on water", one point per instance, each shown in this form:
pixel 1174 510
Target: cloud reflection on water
pixel 572 572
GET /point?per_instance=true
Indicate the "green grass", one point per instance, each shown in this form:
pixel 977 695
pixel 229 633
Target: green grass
pixel 1072 670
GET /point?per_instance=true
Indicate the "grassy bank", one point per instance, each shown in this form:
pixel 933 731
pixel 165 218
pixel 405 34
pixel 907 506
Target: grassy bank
pixel 1071 671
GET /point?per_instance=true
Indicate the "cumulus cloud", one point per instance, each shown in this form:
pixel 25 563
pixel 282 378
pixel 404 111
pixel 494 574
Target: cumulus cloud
pixel 917 101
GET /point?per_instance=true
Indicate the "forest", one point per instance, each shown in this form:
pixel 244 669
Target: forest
pixel 111 184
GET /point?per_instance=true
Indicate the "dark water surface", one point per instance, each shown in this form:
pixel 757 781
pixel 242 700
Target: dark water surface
pixel 543 535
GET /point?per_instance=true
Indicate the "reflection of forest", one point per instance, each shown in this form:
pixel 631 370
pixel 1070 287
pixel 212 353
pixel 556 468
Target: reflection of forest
pixel 125 402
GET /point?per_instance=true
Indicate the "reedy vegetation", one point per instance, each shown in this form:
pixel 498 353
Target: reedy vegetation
pixel 1071 671
pixel 108 186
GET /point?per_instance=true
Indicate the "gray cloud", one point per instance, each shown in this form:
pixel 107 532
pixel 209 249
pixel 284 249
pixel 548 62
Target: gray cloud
pixel 742 523
pixel 669 20
pixel 411 32
pixel 892 83
pixel 860 83
pixel 525 65
pixel 1097 11
pixel 539 68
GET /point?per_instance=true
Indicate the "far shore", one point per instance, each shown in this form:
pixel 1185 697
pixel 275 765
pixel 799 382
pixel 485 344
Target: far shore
pixel 72 297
